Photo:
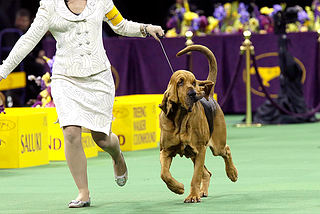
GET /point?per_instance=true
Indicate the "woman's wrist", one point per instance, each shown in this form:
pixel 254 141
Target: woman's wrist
pixel 144 31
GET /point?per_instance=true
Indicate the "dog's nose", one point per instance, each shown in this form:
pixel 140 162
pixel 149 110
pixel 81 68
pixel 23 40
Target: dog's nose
pixel 192 93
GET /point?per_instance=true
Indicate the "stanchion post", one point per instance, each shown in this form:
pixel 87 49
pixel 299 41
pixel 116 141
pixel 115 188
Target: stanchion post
pixel 248 49
pixel 189 36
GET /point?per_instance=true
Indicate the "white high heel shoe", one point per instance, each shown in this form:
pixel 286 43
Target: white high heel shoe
pixel 78 204
pixel 121 180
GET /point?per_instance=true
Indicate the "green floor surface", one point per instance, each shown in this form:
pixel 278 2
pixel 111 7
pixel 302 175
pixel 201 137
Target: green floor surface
pixel 279 172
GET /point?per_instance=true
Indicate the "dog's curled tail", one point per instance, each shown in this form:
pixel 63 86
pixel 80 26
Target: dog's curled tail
pixel 211 59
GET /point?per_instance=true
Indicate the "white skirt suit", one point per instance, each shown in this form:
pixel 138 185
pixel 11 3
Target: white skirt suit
pixel 82 83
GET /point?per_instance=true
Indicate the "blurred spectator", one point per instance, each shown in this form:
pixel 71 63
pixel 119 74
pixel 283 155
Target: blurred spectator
pixel 7 13
pixel 33 63
pixel 23 19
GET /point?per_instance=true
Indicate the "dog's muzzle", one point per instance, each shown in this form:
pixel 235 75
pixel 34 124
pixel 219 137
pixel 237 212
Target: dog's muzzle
pixel 192 97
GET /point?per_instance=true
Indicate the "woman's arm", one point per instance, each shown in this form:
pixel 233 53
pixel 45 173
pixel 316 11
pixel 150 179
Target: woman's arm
pixel 27 42
pixel 124 27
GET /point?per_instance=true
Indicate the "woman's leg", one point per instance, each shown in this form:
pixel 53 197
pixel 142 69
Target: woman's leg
pixel 110 144
pixel 76 160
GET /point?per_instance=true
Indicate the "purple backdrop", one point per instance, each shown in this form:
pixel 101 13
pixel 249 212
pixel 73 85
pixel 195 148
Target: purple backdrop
pixel 143 69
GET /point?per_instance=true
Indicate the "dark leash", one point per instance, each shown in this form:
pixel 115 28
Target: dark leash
pixel 228 92
pixel 164 52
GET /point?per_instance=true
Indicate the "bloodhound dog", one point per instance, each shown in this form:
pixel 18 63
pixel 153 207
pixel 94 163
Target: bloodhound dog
pixel 190 121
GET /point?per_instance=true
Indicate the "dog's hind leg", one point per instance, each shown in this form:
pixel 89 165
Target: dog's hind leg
pixel 219 147
pixel 225 153
pixel 172 184
pixel 231 170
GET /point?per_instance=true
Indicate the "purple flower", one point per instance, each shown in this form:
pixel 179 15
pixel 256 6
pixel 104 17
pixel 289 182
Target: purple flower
pixel 264 20
pixel 219 13
pixel 242 7
pixel 203 22
pixel 257 15
pixel 199 23
pixel 2 109
pixel 302 16
pixel 195 24
pixel 172 22
pixel 180 12
pixel 316 11
pixel 50 104
pixel 276 8
pixel 43 85
pixel 36 104
pixel 266 23
pixel 51 61
pixel 49 89
pixel 244 16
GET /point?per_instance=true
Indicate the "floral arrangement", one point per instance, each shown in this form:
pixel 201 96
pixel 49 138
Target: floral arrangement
pixel 184 19
pixel 234 17
pixel 2 103
pixel 44 99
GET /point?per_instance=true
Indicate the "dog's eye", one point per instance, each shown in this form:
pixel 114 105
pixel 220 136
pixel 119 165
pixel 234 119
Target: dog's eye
pixel 194 83
pixel 180 83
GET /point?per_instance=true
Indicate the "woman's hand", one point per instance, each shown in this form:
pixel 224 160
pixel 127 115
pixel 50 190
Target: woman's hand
pixel 153 30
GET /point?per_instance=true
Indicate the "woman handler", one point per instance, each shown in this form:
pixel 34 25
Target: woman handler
pixel 82 83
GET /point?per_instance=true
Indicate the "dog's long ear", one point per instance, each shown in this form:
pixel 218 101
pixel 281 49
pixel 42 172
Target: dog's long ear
pixel 169 97
pixel 163 105
pixel 206 86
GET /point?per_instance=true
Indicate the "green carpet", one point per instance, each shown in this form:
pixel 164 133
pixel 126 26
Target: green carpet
pixel 279 172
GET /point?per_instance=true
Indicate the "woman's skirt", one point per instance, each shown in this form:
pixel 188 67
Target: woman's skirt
pixel 84 101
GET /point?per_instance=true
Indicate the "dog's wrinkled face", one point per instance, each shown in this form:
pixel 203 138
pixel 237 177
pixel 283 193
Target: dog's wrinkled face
pixel 184 89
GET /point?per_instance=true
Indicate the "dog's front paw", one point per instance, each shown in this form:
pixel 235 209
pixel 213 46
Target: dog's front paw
pixel 192 199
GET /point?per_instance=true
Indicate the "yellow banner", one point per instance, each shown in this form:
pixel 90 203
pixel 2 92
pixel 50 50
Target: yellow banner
pixel 23 139
pixel 136 121
pixel 13 81
pixel 54 137
pixel 56 140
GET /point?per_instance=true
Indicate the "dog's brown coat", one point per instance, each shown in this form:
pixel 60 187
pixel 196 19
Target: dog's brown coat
pixel 185 129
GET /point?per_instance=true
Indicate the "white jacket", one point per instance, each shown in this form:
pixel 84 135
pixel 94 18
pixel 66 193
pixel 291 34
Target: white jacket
pixel 80 50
